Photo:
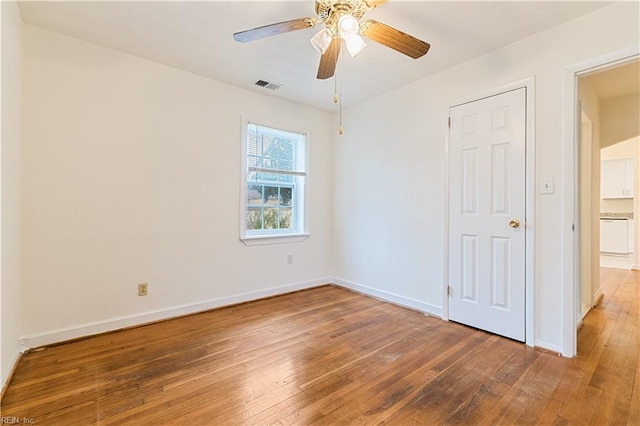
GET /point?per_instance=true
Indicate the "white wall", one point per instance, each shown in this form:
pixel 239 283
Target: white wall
pixel 390 167
pixel 132 174
pixel 10 187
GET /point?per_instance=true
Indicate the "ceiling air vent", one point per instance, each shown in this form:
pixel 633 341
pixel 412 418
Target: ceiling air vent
pixel 268 85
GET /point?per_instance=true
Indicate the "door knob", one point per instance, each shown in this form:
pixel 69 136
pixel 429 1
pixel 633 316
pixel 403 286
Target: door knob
pixel 514 223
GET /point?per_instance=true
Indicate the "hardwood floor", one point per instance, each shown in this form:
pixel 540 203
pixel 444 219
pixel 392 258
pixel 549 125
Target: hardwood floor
pixel 330 356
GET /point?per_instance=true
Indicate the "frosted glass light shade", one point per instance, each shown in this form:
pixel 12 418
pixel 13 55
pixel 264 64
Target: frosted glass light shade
pixel 321 41
pixel 355 44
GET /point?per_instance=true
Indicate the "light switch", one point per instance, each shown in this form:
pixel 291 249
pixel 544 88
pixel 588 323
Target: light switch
pixel 546 186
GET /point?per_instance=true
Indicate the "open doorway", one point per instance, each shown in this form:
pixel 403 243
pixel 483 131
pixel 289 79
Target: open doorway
pixel 608 139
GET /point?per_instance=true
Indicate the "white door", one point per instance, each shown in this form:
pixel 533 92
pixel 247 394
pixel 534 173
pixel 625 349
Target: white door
pixel 487 214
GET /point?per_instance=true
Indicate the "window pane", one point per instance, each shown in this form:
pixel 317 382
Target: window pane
pixel 270 218
pixel 252 146
pixel 286 178
pixel 278 153
pixel 283 164
pixel 269 177
pixel 254 218
pixel 252 161
pixel 285 196
pixel 286 218
pixel 270 195
pixel 254 195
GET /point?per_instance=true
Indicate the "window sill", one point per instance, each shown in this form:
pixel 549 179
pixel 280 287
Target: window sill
pixel 261 240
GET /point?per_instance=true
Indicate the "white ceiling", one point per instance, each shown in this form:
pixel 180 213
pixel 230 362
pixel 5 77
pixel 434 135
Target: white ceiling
pixel 197 37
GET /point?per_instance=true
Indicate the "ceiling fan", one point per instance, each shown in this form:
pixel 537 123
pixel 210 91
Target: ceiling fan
pixel 341 19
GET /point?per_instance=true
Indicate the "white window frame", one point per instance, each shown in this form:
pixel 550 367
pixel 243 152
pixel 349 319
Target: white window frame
pixel 274 236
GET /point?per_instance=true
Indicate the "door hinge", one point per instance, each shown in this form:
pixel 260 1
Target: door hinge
pixel 449 290
pixel 449 122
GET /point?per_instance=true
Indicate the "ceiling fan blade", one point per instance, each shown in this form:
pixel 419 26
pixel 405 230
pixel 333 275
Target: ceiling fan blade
pixel 395 39
pixel 274 29
pixel 374 3
pixel 329 59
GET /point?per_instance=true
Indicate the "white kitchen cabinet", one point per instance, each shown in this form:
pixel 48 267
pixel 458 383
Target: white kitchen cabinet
pixel 614 236
pixel 616 178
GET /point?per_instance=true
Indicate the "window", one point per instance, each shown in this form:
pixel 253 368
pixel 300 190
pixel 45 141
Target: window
pixel 275 173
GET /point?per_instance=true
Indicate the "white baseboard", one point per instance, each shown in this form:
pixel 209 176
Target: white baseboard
pixel 97 327
pixel 387 296
pixel 11 367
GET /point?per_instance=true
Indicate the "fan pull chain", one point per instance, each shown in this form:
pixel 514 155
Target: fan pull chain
pixel 340 131
pixel 335 88
pixel 341 72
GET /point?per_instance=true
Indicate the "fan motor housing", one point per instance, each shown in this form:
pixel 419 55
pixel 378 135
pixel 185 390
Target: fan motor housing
pixel 332 9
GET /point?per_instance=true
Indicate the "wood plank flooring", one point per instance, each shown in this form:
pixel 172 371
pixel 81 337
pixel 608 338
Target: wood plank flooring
pixel 330 356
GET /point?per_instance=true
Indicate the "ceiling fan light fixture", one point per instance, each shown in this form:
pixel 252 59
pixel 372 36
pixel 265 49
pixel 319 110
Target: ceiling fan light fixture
pixel 321 41
pixel 355 44
pixel 348 26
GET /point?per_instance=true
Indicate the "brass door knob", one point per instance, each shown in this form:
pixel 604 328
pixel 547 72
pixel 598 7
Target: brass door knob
pixel 514 223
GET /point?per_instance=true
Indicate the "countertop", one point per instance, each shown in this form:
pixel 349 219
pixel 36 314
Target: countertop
pixel 616 215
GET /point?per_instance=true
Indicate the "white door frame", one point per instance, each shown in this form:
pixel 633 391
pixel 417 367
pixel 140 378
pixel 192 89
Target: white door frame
pixel 529 85
pixel 570 201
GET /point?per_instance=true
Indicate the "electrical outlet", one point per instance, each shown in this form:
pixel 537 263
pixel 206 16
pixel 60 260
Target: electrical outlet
pixel 289 258
pixel 143 289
